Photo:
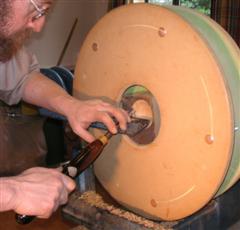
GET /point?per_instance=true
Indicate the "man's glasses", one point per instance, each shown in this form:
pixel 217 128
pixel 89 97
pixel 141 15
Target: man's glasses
pixel 41 12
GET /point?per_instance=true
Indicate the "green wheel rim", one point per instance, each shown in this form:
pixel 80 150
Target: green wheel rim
pixel 227 55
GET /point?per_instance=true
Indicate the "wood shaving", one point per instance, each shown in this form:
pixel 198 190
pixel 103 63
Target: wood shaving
pixel 80 227
pixel 96 200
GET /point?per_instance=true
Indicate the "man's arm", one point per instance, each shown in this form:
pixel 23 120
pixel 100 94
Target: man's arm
pixel 45 93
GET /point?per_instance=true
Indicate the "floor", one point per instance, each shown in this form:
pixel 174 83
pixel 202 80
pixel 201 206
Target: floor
pixel 55 222
pixel 236 226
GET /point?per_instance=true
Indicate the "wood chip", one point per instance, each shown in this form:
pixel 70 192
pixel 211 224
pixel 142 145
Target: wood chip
pixel 96 200
pixel 80 227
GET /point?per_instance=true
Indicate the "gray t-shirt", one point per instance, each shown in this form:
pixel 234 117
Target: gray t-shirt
pixel 14 74
pixel 21 137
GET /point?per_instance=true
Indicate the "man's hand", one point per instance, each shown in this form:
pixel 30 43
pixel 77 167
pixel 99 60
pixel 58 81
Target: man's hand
pixel 43 92
pixel 83 113
pixel 36 192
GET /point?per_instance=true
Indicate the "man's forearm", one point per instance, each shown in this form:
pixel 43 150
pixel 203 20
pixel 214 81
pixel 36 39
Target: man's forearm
pixel 43 92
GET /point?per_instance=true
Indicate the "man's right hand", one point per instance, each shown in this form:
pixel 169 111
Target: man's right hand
pixel 36 192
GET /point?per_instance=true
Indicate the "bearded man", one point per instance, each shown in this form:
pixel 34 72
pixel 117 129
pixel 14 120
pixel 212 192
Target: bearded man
pixel 39 191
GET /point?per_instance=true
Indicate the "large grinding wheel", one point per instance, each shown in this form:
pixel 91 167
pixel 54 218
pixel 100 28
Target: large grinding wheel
pixel 188 69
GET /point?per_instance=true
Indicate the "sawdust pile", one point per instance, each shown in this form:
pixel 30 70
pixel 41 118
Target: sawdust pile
pixel 96 200
pixel 80 227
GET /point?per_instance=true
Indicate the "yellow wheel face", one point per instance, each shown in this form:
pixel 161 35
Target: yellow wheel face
pixel 177 165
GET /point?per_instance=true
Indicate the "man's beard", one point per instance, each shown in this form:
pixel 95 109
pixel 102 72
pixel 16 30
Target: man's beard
pixel 9 45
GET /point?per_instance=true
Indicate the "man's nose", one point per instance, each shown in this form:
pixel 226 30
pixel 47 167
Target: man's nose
pixel 36 25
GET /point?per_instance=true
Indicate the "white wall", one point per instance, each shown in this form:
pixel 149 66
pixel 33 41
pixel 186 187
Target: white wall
pixel 49 43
